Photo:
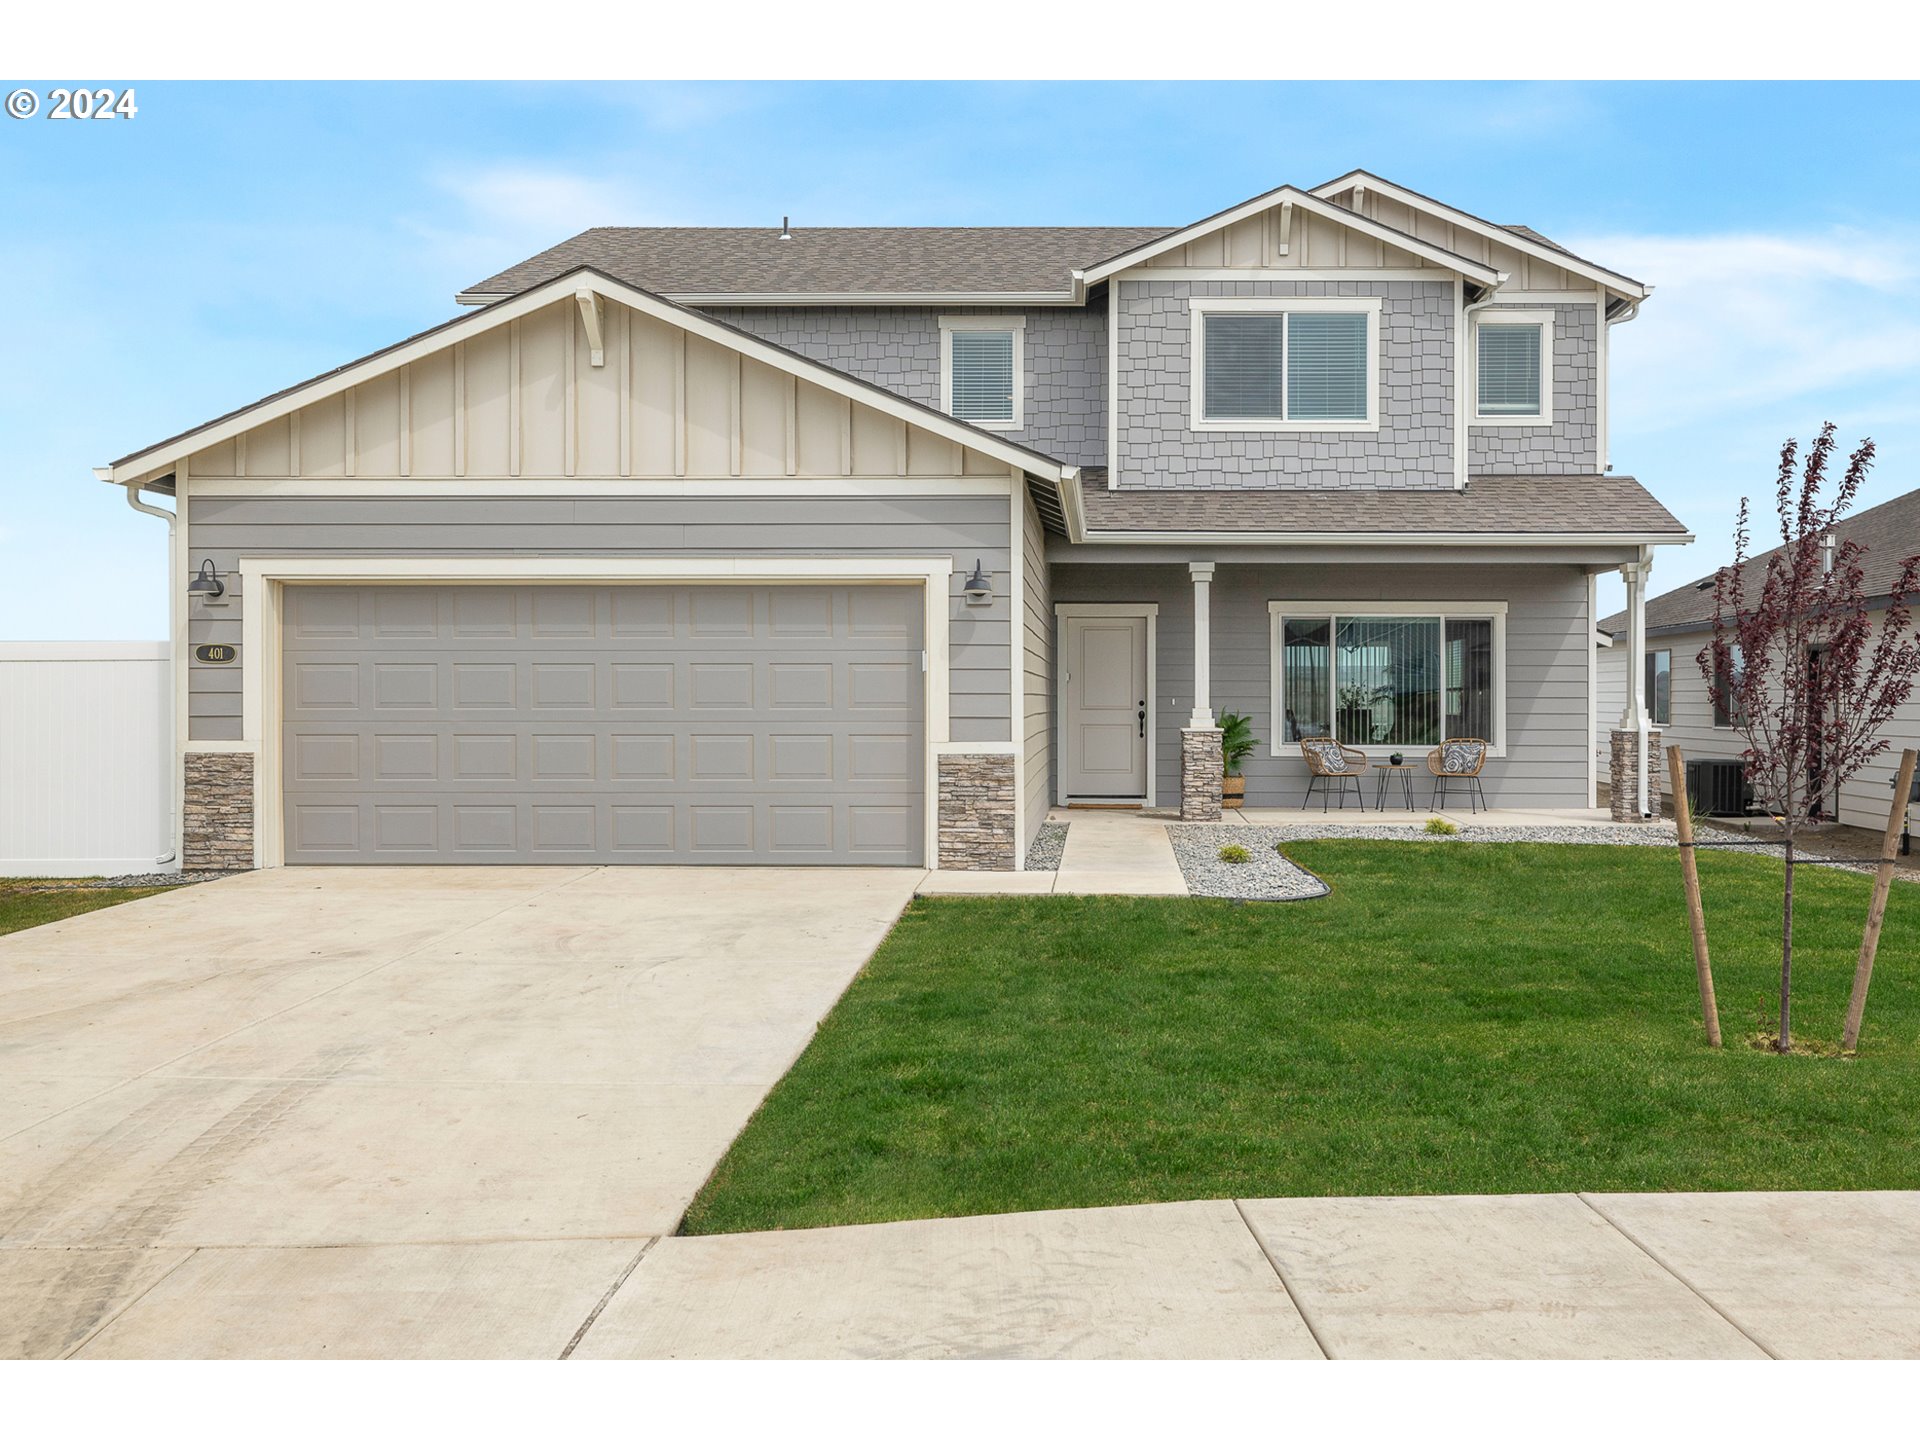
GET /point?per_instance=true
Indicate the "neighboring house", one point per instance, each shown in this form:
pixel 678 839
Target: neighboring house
pixel 868 545
pixel 1680 627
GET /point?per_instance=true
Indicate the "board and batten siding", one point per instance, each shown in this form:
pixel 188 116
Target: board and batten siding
pixel 1036 659
pixel 1546 658
pixel 1863 800
pixel 966 528
pixel 505 440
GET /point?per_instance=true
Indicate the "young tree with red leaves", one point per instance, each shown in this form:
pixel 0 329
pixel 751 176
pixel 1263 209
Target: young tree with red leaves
pixel 1798 668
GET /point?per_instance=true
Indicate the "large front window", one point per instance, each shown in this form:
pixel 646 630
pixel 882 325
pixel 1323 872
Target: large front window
pixel 1371 678
pixel 1284 364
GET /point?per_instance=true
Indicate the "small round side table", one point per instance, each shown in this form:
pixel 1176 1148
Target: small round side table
pixel 1404 774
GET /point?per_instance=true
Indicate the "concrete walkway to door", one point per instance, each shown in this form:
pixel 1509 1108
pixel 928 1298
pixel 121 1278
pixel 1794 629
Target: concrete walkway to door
pixel 390 1112
pixel 1109 852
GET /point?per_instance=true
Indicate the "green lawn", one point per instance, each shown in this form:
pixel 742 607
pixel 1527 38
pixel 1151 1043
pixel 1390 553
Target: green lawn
pixel 1453 1018
pixel 20 910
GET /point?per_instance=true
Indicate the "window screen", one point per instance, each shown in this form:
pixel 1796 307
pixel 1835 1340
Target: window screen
pixel 1243 367
pixel 1326 366
pixel 1509 369
pixel 982 374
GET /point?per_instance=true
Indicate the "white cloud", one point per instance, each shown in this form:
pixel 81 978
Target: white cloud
pixel 1745 321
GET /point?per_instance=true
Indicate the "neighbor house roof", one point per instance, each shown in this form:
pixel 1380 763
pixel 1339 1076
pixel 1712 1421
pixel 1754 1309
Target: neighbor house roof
pixel 1611 508
pixel 1891 533
pixel 872 261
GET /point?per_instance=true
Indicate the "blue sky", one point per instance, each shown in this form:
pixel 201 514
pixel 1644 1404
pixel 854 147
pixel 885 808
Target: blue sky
pixel 233 238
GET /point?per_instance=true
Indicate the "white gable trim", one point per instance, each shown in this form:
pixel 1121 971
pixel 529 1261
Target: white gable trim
pixel 1312 205
pixel 1612 280
pixel 147 463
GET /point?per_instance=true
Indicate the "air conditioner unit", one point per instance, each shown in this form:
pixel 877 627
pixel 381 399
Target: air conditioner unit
pixel 1718 787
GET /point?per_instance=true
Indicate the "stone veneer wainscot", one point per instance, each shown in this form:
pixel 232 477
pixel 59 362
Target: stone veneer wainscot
pixel 217 820
pixel 976 812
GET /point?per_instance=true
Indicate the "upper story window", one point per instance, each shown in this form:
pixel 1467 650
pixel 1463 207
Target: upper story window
pixel 1513 367
pixel 983 369
pixel 1285 362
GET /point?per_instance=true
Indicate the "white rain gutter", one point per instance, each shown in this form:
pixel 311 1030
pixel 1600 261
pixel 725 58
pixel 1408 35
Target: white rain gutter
pixel 174 661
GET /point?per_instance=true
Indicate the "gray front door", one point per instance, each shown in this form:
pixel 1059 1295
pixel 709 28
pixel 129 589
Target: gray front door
pixel 636 724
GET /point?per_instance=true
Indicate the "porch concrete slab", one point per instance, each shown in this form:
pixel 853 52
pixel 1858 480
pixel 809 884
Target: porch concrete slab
pixel 501 1301
pixel 1809 1275
pixel 1182 1281
pixel 1482 1277
pixel 695 1021
pixel 988 882
pixel 318 1160
pixel 52 1300
pixel 1485 819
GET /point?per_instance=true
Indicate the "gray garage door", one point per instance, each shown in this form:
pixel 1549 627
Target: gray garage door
pixel 625 724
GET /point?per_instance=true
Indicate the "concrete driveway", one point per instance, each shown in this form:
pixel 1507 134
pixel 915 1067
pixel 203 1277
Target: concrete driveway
pixel 390 1112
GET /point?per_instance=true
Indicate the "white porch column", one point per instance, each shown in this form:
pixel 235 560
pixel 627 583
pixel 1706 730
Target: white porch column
pixel 1633 719
pixel 1202 573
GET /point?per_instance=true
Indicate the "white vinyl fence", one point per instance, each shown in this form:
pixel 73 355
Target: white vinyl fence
pixel 86 752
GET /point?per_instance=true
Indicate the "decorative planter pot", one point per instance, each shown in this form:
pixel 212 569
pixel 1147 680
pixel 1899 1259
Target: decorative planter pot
pixel 1233 791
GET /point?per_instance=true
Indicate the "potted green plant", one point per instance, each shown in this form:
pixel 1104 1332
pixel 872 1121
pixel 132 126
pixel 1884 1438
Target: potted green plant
pixel 1236 743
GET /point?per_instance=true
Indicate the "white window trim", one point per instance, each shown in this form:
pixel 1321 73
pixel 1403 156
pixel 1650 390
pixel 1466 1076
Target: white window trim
pixel 1201 306
pixel 1281 611
pixel 1544 319
pixel 1017 326
pixel 1648 698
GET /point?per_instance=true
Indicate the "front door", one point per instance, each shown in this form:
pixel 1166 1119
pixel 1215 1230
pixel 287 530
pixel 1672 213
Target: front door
pixel 1106 709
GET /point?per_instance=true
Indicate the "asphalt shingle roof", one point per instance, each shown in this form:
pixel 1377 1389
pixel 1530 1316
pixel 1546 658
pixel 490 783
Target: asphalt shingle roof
pixel 843 260
pixel 1890 531
pixel 1490 505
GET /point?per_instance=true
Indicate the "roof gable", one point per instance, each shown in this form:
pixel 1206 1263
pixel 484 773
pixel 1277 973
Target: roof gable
pixel 561 291
pixel 1288 196
pixel 1517 237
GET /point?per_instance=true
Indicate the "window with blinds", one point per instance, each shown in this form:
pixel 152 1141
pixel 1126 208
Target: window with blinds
pixel 1509 365
pixel 1296 366
pixel 982 379
pixel 1387 680
pixel 1326 366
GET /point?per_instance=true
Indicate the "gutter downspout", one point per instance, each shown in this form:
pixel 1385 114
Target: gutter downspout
pixel 174 661
pixel 1465 404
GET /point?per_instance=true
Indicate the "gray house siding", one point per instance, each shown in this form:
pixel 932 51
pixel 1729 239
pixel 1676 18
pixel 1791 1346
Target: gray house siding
pixel 899 347
pixel 1571 444
pixel 967 528
pixel 1547 628
pixel 1036 732
pixel 1158 448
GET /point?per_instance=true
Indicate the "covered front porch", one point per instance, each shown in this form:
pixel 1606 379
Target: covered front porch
pixel 1386 657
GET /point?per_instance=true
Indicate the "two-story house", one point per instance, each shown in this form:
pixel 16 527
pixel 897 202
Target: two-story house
pixel 831 546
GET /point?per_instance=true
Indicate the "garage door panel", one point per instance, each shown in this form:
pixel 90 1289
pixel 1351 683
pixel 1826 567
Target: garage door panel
pixel 641 724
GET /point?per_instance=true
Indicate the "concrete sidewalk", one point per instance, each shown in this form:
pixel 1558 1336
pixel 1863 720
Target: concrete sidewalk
pixel 1109 852
pixel 1735 1276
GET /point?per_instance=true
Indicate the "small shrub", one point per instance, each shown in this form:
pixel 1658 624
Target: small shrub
pixel 1235 854
pixel 1437 826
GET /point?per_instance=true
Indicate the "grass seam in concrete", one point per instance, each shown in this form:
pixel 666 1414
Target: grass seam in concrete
pixel 1281 1276
pixel 606 1299
pixel 1692 1289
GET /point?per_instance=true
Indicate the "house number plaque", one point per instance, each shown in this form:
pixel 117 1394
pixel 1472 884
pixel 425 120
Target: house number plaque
pixel 216 654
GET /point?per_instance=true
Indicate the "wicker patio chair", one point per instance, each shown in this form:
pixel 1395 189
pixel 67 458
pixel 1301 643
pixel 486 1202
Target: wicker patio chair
pixel 1458 761
pixel 1329 764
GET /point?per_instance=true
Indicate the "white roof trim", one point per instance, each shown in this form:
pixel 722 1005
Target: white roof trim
pixel 1362 538
pixel 1312 205
pixel 1611 279
pixel 1074 296
pixel 145 463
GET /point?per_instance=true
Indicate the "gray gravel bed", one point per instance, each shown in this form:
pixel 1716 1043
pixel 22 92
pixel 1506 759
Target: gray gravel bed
pixel 158 879
pixel 1048 846
pixel 1266 876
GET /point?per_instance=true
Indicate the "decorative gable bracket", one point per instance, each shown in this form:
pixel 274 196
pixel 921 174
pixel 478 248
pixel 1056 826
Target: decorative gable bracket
pixel 590 316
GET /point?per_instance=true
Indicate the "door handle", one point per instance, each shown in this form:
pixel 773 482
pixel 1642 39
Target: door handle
pixel 1143 720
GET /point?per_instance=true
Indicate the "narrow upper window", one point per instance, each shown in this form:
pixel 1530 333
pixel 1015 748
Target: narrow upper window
pixel 1513 367
pixel 981 367
pixel 1284 364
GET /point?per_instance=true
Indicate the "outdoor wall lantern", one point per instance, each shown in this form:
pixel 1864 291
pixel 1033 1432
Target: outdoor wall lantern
pixel 206 584
pixel 978 589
